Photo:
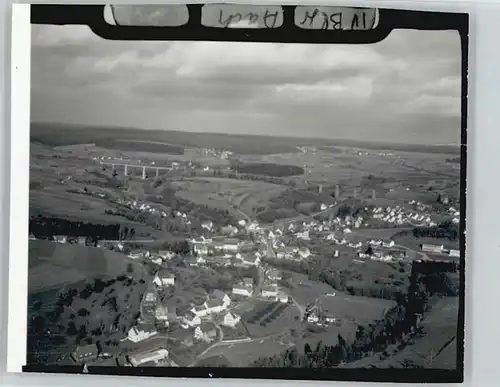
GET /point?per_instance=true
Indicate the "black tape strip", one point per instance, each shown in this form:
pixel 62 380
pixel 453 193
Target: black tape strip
pixel 389 19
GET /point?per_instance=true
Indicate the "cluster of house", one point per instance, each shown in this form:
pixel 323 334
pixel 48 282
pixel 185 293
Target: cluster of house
pixel 147 208
pixel 455 213
pixel 218 153
pixel 399 216
pixel 440 249
pixel 318 316
pixel 198 318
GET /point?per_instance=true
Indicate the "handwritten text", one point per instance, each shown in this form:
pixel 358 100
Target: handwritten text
pixel 234 16
pixel 335 18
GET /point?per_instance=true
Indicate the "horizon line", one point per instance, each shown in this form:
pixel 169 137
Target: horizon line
pixel 112 127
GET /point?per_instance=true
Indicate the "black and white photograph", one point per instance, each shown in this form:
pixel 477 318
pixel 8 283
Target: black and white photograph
pixel 216 204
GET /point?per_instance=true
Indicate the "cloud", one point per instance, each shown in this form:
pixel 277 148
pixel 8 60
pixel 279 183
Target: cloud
pixel 406 88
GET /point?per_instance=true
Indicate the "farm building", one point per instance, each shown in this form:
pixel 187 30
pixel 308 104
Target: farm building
pixel 249 260
pixel 81 240
pixel 85 352
pixel 149 357
pixel 432 248
pixel 231 320
pixel 60 238
pixel 206 332
pixel 270 291
pixel 164 278
pixel 231 245
pixel 244 289
pixel 141 332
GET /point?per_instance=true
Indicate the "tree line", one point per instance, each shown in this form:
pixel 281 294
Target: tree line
pixel 46 227
pixel 397 327
pixel 446 229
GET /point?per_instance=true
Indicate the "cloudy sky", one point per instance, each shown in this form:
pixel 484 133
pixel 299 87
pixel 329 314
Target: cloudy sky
pixel 404 89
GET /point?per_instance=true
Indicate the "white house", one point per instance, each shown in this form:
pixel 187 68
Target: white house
pixel 455 253
pixel 206 332
pixel 60 238
pixel 282 297
pixel 231 320
pixel 140 333
pixel 347 231
pixel 164 278
pixel 231 245
pixel 388 243
pixel 304 252
pixel 313 318
pixel 243 290
pixel 253 226
pixel 207 225
pixel 220 295
pixel 303 235
pixel 147 357
pixel 165 254
pixel 242 223
pixel 323 207
pixel 250 261
pixel 200 310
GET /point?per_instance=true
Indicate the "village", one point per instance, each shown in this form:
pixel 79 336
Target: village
pixel 216 317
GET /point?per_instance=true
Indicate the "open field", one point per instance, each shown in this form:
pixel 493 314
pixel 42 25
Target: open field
pixel 271 318
pixel 246 195
pixel 362 310
pixel 305 291
pixel 415 243
pixel 243 354
pixel 52 265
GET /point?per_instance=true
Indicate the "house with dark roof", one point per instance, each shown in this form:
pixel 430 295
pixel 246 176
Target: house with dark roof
pixel 189 319
pixel 206 331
